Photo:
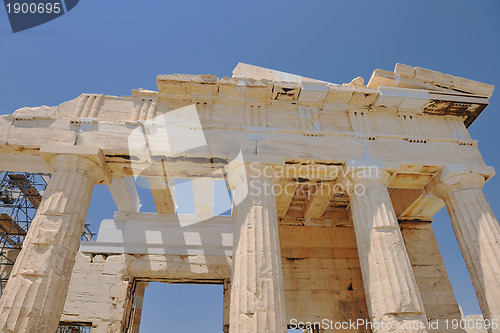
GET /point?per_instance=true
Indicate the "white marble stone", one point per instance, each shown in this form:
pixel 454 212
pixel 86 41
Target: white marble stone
pixel 391 291
pixel 257 291
pixel 478 234
pixel 35 293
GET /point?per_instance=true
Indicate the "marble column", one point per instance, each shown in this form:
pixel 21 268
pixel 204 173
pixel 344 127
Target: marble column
pixel 391 291
pixel 257 294
pixel 478 234
pixel 36 291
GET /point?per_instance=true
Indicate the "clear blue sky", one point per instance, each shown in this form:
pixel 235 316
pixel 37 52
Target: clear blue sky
pixel 114 46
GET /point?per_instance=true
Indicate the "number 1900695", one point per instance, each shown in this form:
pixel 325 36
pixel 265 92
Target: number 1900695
pixel 33 8
pixel 471 324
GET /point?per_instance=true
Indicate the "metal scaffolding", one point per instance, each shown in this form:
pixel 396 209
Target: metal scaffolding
pixel 20 196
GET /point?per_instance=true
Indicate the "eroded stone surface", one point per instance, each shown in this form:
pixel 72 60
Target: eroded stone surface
pixel 392 294
pixel 257 291
pixel 35 293
pixel 412 122
pixel 478 234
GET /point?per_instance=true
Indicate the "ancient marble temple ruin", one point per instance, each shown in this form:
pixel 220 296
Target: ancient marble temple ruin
pixel 334 188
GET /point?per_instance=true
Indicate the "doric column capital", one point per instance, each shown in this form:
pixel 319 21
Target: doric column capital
pixel 86 159
pixel 456 178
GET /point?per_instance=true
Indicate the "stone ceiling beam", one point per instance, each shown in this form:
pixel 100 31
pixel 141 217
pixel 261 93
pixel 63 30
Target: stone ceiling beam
pixel 318 200
pixel 125 194
pixel 284 191
pixel 203 195
pixel 163 195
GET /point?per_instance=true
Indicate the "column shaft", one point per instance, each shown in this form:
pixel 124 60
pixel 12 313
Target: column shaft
pixel 257 292
pixel 391 290
pixel 478 234
pixel 36 291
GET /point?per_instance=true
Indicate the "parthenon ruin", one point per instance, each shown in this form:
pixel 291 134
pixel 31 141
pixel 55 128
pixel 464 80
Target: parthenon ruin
pixel 334 188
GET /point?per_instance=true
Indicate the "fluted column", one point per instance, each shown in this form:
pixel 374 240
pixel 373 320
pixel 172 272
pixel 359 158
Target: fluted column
pixel 257 294
pixel 391 291
pixel 36 291
pixel 478 234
